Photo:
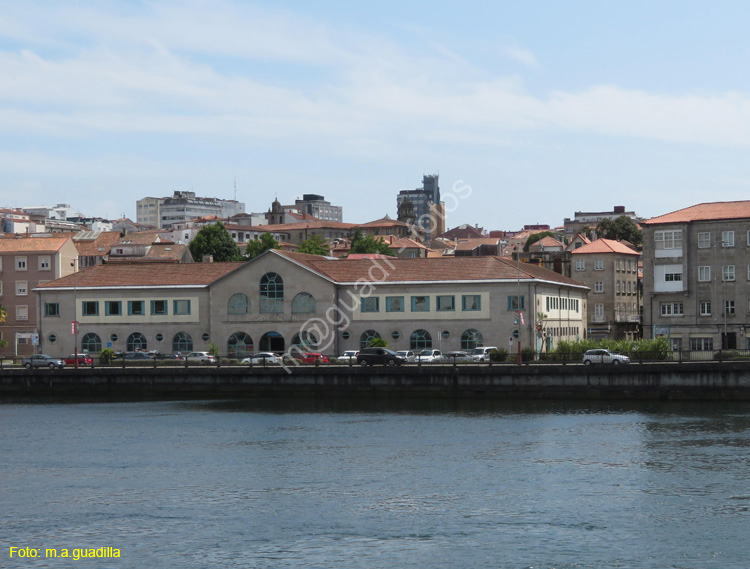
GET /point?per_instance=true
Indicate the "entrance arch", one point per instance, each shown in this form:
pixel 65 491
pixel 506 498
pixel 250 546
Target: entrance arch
pixel 272 342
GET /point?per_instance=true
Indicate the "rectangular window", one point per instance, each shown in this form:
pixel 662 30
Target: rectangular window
pixel 22 288
pixel 470 302
pixel 704 240
pixel 90 308
pixel 136 307
pixel 52 309
pixel 580 264
pixel 671 308
pixel 181 307
pixel 420 303
pixel 701 344
pixel 394 303
pixel 729 307
pixel 445 303
pixel 672 277
pixel 705 308
pixel 113 307
pixel 599 310
pixel 669 239
pixel 22 312
pixel 370 304
pixel 513 303
pixel 21 263
pixel 728 272
pixel 598 264
pixel 727 238
pixel 704 274
pixel 44 263
pixel 159 307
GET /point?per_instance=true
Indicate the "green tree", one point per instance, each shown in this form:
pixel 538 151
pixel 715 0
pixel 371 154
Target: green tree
pixel 215 240
pixel 378 343
pixel 258 246
pixel 623 228
pixel 368 244
pixel 315 245
pixel 534 237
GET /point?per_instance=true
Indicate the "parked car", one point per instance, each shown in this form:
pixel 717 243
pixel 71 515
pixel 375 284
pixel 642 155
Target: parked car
pixel 482 353
pixel 602 356
pixel 312 357
pixel 379 356
pixel 200 357
pixel 408 355
pixel 348 356
pixel 458 356
pixel 83 360
pixel 261 358
pixel 140 356
pixel 430 356
pixel 42 360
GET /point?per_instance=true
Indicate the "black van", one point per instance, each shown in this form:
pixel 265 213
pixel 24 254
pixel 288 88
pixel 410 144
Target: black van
pixel 379 356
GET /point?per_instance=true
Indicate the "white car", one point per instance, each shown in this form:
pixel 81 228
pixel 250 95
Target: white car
pixel 482 353
pixel 408 355
pixel 430 356
pixel 602 356
pixel 261 358
pixel 200 357
pixel 348 356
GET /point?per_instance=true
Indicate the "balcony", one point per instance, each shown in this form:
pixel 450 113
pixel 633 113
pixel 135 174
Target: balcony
pixel 598 318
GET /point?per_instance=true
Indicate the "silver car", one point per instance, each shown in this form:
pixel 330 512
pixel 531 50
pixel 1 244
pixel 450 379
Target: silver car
pixel 602 356
pixel 42 360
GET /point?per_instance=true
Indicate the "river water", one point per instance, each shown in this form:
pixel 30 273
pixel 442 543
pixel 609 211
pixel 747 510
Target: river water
pixel 279 484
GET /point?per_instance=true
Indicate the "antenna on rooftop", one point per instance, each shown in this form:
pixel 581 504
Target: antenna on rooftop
pixel 235 188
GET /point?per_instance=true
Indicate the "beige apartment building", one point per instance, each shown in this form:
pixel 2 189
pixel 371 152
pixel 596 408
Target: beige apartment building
pixel 697 276
pixel 25 263
pixel 610 269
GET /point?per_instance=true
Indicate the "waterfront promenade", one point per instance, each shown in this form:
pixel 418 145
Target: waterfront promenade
pixel 651 381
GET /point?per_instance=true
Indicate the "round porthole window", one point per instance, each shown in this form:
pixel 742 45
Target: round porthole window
pixel 113 338
pixel 446 334
pixel 159 337
pixel 395 334
pixel 206 336
pixel 346 335
pixel 52 338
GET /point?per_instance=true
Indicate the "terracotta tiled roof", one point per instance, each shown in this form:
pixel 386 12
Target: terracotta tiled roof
pixel 145 274
pixel 32 244
pixel 302 225
pixel 146 237
pixel 406 243
pixel 548 241
pixel 471 244
pixel 384 222
pixel 704 212
pixel 99 246
pixel 604 246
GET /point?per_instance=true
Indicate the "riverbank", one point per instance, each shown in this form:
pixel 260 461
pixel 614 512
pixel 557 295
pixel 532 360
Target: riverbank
pixel 654 381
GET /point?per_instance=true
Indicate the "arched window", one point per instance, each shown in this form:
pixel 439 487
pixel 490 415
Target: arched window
pixel 272 342
pixel 305 342
pixel 303 303
pixel 367 337
pixel 420 340
pixel 271 294
pixel 91 343
pixel 239 345
pixel 182 342
pixel 136 342
pixel 471 339
pixel 238 304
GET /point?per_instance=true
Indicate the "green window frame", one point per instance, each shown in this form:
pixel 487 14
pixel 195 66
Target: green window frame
pixel 181 307
pixel 136 307
pixel 471 302
pixel 90 308
pixel 420 303
pixel 370 304
pixel 445 303
pixel 513 302
pixel 159 308
pixel 113 308
pixel 52 309
pixel 394 303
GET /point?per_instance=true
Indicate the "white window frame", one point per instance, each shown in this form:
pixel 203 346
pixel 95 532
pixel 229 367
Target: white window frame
pixel 22 312
pixel 727 238
pixel 671 309
pixel 45 263
pixel 704 240
pixel 22 288
pixel 729 307
pixel 599 287
pixel 580 264
pixel 668 239
pixel 598 264
pixel 705 308
pixel 599 309
pixel 727 273
pixel 704 273
pixel 22 264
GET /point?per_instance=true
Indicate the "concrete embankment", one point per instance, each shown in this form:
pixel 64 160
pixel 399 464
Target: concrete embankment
pixel 662 381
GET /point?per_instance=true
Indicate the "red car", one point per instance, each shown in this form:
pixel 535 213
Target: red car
pixel 312 357
pixel 83 360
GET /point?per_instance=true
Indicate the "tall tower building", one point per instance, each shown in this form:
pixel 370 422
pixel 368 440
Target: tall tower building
pixel 422 206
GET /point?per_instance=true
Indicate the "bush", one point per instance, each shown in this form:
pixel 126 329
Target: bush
pixel 498 355
pixel 528 354
pixel 378 343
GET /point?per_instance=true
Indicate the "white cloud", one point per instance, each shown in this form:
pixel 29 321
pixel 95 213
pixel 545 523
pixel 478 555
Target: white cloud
pixel 522 55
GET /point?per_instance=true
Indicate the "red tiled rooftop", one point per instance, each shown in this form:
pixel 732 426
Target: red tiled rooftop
pixel 604 246
pixel 704 212
pixel 32 244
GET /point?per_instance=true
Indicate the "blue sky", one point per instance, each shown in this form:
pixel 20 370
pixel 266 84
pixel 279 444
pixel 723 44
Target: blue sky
pixel 541 108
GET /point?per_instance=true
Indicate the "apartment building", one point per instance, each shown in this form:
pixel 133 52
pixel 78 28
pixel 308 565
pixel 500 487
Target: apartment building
pixel 697 271
pixel 281 299
pixel 25 263
pixel 610 269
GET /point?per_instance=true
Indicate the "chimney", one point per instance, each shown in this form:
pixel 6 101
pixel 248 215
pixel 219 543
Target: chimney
pixel 208 259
